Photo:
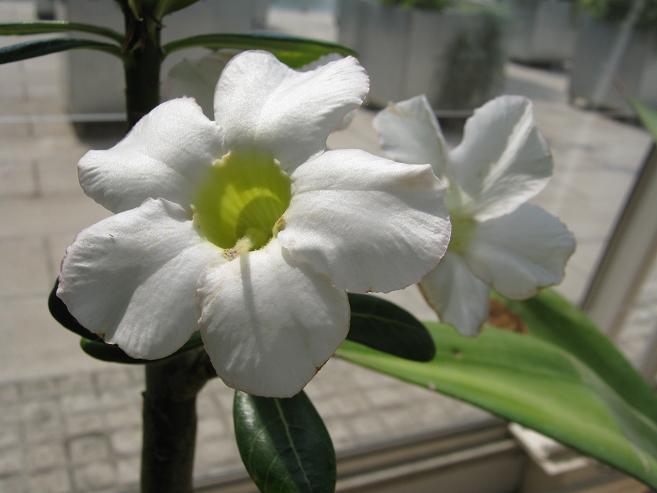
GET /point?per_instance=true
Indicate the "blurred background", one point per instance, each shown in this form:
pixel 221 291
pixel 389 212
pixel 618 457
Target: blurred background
pixel 71 424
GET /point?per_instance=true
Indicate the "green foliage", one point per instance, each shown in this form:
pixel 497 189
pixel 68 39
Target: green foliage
pixel 293 51
pixel 284 444
pixel 618 10
pixel 42 27
pixel 561 377
pixel 384 326
pixel 33 49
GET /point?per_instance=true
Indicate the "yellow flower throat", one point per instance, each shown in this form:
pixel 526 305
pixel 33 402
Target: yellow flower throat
pixel 241 202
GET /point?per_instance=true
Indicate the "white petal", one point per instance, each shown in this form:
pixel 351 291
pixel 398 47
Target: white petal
pixel 502 162
pixel 162 157
pixel 131 278
pixel 197 78
pixel 520 252
pixel 410 133
pixel 456 294
pixel 263 105
pixel 368 223
pixel 268 325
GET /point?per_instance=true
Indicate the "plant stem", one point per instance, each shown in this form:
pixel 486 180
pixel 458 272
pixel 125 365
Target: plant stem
pixel 142 59
pixel 169 421
pixel 172 385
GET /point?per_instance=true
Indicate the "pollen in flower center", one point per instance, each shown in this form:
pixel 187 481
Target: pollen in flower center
pixel 462 231
pixel 241 200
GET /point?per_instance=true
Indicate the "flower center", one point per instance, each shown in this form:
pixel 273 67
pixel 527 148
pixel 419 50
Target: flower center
pixel 463 228
pixel 241 202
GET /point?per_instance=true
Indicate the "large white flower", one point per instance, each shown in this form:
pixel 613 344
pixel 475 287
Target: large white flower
pixel 247 228
pixel 498 240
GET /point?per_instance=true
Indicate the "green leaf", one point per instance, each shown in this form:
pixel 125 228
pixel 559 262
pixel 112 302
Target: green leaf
pixel 60 312
pixel 647 115
pixel 562 378
pixel 98 349
pixel 32 49
pixel 292 51
pixel 166 7
pixel 42 27
pixel 284 444
pixel 382 325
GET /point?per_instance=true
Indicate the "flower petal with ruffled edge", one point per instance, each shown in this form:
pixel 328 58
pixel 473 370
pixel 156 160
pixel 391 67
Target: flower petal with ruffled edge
pixel 163 156
pixel 131 278
pixel 458 296
pixel 264 106
pixel 520 252
pixel 269 325
pixel 410 133
pixel 502 161
pixel 367 223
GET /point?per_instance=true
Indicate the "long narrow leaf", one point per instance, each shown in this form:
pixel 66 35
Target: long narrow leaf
pixel 560 377
pixel 44 27
pixel 293 51
pixel 33 49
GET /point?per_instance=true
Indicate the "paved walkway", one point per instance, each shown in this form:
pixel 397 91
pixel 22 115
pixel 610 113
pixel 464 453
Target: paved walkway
pixel 70 423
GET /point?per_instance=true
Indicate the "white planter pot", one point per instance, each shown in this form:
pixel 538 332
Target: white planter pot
pixel 95 80
pixel 608 61
pixel 541 31
pixel 455 58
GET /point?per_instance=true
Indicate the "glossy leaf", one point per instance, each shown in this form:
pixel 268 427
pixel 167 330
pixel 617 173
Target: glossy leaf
pixel 382 325
pixel 60 312
pixel 561 377
pixel 43 27
pixel 111 353
pixel 284 444
pixel 32 49
pixel 292 51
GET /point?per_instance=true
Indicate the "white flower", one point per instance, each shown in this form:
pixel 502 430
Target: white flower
pixel 498 240
pixel 247 229
pixel 197 79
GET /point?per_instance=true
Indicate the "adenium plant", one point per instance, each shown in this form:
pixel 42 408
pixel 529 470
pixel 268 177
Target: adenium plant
pixel 247 228
pixel 233 220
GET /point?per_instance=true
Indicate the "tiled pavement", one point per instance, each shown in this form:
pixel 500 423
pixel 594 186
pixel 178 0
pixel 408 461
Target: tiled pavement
pixel 81 432
pixel 70 423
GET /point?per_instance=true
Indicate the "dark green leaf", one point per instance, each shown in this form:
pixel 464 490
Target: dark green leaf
pixel 382 325
pixel 166 7
pixel 60 312
pixel 284 444
pixel 94 345
pixel 107 352
pixel 43 27
pixel 114 354
pixel 32 49
pixel 292 51
pixel 561 378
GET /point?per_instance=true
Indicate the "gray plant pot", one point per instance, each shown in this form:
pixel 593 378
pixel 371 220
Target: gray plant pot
pixel 611 64
pixel 541 31
pixel 455 58
pixel 95 80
